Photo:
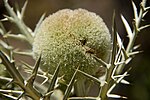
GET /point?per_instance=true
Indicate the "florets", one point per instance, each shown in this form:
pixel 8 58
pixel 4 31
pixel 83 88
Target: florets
pixel 71 37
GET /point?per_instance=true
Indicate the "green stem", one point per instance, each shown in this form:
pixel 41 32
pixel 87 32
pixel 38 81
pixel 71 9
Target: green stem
pixel 105 88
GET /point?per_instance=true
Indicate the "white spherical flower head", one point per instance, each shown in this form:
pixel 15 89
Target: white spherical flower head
pixel 71 37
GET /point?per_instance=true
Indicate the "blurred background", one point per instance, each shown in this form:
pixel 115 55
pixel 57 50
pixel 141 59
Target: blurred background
pixel 139 77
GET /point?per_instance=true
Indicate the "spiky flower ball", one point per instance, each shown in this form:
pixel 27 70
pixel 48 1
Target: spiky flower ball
pixel 71 37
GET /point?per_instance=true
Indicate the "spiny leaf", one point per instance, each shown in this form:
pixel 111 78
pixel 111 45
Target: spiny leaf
pixel 127 26
pixel 18 13
pixel 34 73
pixel 134 53
pixel 23 28
pixel 54 78
pixel 3 30
pixel 20 96
pixel 115 84
pixel 136 47
pixel 101 61
pixel 119 41
pixel 123 81
pixel 144 14
pixel 135 11
pixel 5 45
pixel 90 76
pixel 128 60
pixel 18 36
pixel 40 72
pixel 39 23
pixel 53 82
pixel 11 91
pixel 68 90
pixel 11 69
pixel 23 9
pixel 25 53
pixel 7 18
pixel 10 96
pixel 116 96
pixel 18 79
pixel 46 79
pixel 125 55
pixel 119 76
pixel 147 8
pixel 6 78
pixel 114 38
pixel 143 27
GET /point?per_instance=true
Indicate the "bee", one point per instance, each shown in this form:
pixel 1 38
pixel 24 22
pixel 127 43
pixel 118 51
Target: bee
pixel 88 49
pixel 83 41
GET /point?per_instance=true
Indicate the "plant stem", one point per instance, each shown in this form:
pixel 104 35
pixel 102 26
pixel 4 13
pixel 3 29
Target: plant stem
pixel 105 88
pixel 134 36
pixel 136 28
pixel 18 79
pixel 23 28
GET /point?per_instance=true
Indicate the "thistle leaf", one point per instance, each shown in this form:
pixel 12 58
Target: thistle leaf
pixel 134 53
pixel 143 27
pixel 39 23
pixel 23 9
pixel 2 29
pixel 123 81
pixel 34 73
pixel 116 96
pixel 18 36
pixel 11 91
pixel 114 38
pixel 5 45
pixel 147 8
pixel 54 78
pixel 119 41
pixel 20 24
pixel 10 96
pixel 135 11
pixel 7 18
pixel 12 69
pixel 144 14
pixel 6 78
pixel 101 61
pixel 127 27
pixel 90 76
pixel 136 47
pixel 68 90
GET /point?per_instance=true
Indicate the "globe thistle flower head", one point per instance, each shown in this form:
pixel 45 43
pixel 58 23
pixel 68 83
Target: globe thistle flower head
pixel 71 37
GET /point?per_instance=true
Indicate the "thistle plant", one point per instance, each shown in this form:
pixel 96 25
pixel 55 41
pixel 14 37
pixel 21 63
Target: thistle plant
pixel 73 51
